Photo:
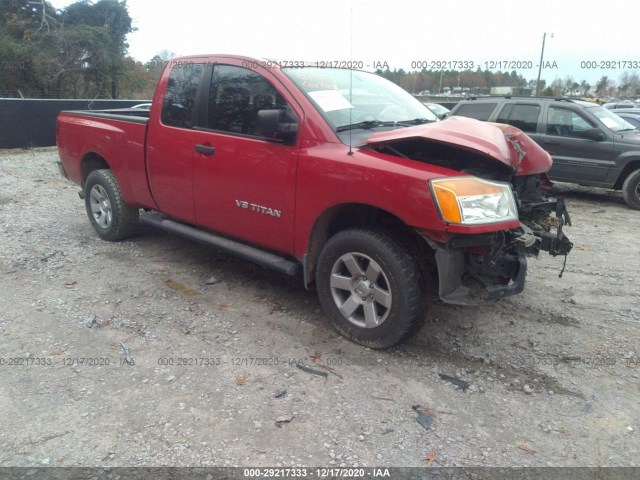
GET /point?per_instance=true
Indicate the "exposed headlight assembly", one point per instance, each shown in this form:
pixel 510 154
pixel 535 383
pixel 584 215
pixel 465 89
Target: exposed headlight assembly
pixel 473 201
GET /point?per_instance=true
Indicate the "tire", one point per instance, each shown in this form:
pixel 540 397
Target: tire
pixel 370 287
pixel 110 216
pixel 631 189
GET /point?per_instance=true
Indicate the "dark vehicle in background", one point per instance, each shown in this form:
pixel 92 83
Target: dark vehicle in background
pixel 437 109
pixel 589 144
pixel 621 104
pixel 631 115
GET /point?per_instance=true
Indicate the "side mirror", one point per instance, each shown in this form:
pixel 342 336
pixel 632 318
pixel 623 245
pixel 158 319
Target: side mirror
pixel 271 124
pixel 593 134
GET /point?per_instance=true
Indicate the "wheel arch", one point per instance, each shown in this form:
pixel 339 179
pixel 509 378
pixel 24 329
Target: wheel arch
pixel 350 215
pixel 90 162
pixel 630 167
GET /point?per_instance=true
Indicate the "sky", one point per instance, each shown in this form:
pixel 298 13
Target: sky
pixel 401 33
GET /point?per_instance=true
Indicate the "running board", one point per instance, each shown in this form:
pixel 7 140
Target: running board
pixel 266 259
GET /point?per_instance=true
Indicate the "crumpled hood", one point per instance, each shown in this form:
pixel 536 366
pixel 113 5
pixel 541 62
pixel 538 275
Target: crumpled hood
pixel 494 141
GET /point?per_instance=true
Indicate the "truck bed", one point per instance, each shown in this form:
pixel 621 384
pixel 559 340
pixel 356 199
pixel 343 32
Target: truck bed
pixel 126 114
pixel 87 136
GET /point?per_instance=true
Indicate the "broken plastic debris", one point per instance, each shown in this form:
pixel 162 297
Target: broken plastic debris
pixel 425 419
pixel 304 368
pixel 463 384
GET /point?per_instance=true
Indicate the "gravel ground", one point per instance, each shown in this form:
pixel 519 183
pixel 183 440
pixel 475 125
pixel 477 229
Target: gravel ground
pixel 190 356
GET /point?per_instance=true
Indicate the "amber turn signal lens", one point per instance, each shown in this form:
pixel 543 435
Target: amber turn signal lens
pixel 473 201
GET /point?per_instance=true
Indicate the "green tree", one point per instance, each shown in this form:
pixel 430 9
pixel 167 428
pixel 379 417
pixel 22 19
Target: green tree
pixel 634 84
pixel 112 17
pixel 585 87
pixel 137 81
pixel 158 62
pixel 84 62
pixel 22 21
pixel 557 87
pixel 77 51
pixel 548 92
pixel 602 87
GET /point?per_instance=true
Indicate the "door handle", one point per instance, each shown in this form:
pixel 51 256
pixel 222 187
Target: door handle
pixel 205 150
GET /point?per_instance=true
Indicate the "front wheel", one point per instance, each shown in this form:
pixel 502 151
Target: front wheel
pixel 631 190
pixel 110 216
pixel 370 287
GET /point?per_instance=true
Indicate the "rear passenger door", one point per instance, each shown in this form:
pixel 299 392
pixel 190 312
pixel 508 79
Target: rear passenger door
pixel 525 116
pixel 170 142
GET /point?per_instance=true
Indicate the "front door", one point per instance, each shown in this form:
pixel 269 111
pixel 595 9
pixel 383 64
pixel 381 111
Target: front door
pixel 575 158
pixel 244 184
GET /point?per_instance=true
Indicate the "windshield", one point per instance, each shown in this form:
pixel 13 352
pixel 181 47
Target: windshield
pixel 361 99
pixel 612 121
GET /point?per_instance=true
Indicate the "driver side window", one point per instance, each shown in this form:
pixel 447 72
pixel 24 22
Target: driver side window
pixel 236 96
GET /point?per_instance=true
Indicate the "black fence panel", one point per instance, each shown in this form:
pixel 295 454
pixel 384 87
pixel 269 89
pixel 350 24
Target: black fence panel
pixel 28 123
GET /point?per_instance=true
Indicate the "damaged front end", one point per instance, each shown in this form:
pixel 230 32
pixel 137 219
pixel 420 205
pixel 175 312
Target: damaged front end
pixel 484 267
pixel 542 218
pixel 480 263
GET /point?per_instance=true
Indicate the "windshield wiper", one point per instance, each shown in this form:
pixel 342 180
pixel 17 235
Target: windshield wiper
pixel 415 121
pixel 626 130
pixel 367 124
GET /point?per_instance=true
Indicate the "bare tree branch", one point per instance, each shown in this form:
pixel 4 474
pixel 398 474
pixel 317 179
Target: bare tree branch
pixel 44 22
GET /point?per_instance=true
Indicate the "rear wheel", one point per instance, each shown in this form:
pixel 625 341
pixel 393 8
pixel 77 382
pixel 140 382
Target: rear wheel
pixel 370 287
pixel 631 190
pixel 110 216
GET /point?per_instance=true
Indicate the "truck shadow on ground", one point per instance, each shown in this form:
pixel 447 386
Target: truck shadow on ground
pixel 449 339
pixel 285 298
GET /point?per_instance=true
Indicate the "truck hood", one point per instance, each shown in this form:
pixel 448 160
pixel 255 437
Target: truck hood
pixel 495 142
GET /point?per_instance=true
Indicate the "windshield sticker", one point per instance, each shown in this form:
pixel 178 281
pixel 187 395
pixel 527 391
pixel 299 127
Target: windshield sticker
pixel 330 100
pixel 609 122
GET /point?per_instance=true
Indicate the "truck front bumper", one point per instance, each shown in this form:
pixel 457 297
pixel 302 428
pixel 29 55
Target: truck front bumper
pixel 476 269
pixel 469 279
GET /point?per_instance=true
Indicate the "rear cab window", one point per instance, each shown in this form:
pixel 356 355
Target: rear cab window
pixel 180 95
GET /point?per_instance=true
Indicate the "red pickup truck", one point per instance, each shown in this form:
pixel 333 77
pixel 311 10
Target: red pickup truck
pixel 335 175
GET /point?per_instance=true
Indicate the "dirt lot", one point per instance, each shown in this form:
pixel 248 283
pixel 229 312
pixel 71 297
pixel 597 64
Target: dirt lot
pixel 190 355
